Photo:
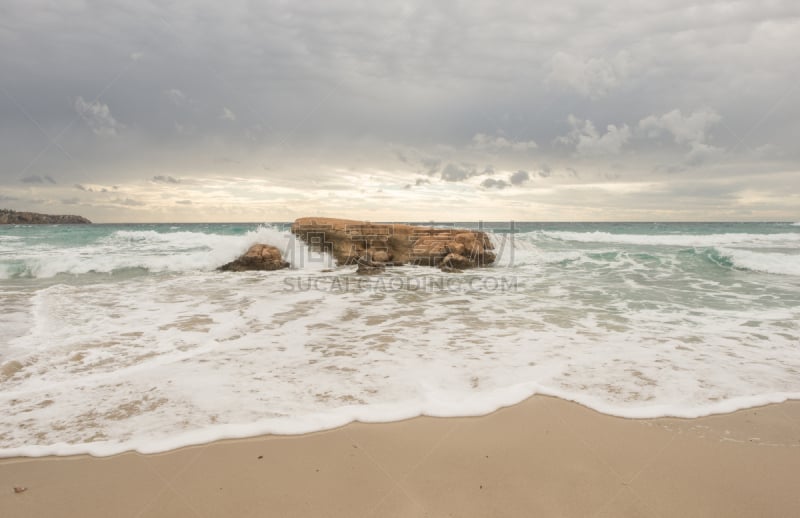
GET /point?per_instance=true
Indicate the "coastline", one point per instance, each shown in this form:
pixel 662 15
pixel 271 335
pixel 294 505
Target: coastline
pixel 544 456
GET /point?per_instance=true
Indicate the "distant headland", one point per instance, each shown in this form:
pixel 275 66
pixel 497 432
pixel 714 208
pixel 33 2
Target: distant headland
pixel 12 217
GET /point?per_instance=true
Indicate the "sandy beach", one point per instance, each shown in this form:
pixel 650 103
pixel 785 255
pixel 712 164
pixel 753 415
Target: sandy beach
pixel 543 457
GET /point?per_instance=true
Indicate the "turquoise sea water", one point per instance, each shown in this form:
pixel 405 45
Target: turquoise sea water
pixel 119 337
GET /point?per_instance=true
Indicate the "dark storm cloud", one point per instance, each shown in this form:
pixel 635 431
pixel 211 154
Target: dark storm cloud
pixel 165 179
pixel 431 165
pixel 514 180
pixel 491 183
pixel 34 178
pixel 224 59
pixel 519 177
pixel 457 172
pixel 544 171
pixel 107 93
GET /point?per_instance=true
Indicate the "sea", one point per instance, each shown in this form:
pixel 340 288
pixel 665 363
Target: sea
pixel 126 337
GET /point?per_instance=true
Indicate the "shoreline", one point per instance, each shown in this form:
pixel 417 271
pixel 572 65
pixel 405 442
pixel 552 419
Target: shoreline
pixel 327 422
pixel 541 456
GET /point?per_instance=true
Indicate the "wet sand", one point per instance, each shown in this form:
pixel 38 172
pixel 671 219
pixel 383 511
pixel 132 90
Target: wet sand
pixel 543 457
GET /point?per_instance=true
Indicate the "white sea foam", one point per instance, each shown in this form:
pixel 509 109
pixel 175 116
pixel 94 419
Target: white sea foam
pixel 157 252
pixel 519 250
pixel 784 240
pixel 783 264
pixel 158 362
pixel 526 249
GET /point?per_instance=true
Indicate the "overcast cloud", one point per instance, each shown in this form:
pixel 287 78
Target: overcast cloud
pixel 266 111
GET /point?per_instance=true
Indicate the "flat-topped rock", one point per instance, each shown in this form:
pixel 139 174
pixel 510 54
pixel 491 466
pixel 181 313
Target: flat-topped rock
pixel 395 243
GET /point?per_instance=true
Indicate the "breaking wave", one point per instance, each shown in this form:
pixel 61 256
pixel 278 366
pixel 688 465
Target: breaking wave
pixel 151 251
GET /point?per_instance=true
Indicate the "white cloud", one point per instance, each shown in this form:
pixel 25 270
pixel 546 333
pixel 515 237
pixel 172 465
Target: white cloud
pixel 128 202
pixel 700 153
pixel 588 141
pixel 591 77
pixel 691 130
pixel 98 116
pixel 227 115
pixel 485 142
pixel 177 97
pixel 685 129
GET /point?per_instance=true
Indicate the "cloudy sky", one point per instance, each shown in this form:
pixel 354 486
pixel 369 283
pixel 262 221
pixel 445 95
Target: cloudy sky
pixel 270 110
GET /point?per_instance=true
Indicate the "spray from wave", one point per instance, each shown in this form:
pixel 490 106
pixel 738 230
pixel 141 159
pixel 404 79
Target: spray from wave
pixel 785 240
pixel 729 251
pixel 156 252
pixel 781 264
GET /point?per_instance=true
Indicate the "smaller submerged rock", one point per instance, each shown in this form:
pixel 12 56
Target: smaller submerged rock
pixel 369 267
pixel 258 257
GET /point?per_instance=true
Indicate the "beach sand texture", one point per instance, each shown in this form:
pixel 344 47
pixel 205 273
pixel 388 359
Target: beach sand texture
pixel 543 457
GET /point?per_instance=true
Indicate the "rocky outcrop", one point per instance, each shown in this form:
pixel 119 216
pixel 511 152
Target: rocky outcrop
pixel 366 267
pixel 258 257
pixel 390 244
pixel 11 217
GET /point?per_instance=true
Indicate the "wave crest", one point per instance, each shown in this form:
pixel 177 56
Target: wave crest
pixel 784 240
pixel 776 263
pixel 157 252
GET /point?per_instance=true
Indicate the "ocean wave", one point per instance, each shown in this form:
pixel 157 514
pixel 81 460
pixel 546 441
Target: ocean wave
pixel 522 251
pixel 777 263
pixel 783 240
pixel 157 252
pixel 202 356
pixel 732 258
pixel 177 352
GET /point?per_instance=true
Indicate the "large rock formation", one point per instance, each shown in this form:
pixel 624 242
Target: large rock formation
pixel 390 244
pixel 11 217
pixel 258 257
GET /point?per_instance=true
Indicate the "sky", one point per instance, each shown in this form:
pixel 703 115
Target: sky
pixel 576 110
